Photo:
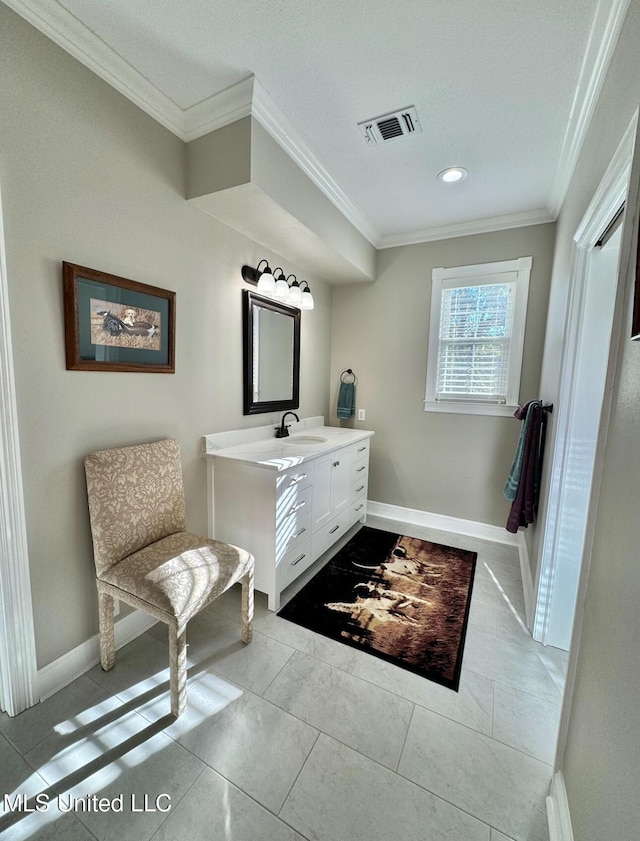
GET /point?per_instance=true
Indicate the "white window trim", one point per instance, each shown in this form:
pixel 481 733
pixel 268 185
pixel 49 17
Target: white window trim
pixel 522 268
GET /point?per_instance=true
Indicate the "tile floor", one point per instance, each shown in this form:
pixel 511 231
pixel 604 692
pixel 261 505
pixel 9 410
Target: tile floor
pixel 297 736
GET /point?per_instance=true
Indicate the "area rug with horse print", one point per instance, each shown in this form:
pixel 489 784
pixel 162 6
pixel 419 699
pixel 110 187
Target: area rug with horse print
pixel 400 598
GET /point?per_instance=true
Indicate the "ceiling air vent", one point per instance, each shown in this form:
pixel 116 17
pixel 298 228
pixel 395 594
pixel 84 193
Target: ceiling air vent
pixel 390 126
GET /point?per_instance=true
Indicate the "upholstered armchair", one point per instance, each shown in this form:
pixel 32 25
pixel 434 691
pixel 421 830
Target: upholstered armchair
pixel 145 557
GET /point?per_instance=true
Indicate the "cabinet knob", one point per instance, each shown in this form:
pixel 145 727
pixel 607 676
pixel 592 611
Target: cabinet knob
pixel 360 469
pixel 294 508
pixel 336 463
pixel 362 449
pixel 335 528
pixel 297 560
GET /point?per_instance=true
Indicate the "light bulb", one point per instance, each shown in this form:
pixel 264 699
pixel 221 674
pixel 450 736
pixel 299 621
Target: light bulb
pixel 295 294
pixel 266 284
pixel 306 302
pixel 453 174
pixel 281 292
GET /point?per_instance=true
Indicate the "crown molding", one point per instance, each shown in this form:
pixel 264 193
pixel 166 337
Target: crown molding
pixel 246 97
pixel 219 110
pixel 278 125
pixel 605 30
pixel 250 97
pixel 465 229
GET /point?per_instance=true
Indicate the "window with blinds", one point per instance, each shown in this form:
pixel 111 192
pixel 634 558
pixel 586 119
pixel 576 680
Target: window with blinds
pixel 476 337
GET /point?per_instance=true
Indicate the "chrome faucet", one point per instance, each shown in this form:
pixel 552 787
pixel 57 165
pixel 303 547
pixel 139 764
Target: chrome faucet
pixel 282 431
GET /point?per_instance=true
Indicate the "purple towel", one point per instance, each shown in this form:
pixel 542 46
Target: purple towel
pixel 524 506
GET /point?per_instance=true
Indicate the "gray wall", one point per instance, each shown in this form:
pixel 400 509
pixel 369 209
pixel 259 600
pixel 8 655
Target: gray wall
pixel 88 178
pixel 442 463
pixel 602 762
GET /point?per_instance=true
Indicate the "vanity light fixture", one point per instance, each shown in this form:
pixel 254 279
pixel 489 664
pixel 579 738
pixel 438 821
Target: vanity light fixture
pixel 274 284
pixel 453 174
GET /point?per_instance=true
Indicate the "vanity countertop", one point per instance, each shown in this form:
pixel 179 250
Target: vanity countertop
pixel 307 439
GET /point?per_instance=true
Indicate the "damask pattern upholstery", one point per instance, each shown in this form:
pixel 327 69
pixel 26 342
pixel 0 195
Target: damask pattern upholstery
pixel 145 558
pixel 136 497
pixel 180 573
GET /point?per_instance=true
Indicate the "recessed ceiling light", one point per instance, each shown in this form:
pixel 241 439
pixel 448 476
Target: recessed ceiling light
pixel 453 174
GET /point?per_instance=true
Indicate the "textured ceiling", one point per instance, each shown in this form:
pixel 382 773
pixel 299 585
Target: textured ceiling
pixel 493 83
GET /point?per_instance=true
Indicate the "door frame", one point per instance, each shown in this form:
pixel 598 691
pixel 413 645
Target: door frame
pixel 18 668
pixel 610 194
pixel 619 184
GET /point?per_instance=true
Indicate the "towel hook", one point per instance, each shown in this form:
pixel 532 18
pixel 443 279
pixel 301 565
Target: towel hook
pixel 348 372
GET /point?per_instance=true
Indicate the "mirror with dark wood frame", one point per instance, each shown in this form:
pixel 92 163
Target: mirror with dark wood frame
pixel 271 354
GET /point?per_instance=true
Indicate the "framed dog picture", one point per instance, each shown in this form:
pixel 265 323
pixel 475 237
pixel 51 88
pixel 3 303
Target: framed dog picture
pixel 116 324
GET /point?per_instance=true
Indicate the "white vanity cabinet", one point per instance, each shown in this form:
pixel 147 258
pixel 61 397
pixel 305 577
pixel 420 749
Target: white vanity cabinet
pixel 287 504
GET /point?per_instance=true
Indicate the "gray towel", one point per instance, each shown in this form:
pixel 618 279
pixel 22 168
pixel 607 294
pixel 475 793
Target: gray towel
pixel 525 414
pixel 346 401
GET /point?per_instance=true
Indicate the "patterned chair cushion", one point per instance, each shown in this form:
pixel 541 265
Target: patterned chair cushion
pixel 180 574
pixel 136 497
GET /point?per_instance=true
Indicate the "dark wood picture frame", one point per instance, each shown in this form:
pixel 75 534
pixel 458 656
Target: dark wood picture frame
pixel 115 324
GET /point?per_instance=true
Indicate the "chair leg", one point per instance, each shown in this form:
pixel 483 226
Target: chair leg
pixel 178 670
pixel 247 607
pixel 107 632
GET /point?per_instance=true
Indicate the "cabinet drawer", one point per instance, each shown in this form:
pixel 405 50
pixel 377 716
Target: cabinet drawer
pixel 295 477
pixel 327 535
pixel 293 532
pixel 360 449
pixel 294 564
pixel 358 489
pixel 294 502
pixel 360 469
pixel 358 508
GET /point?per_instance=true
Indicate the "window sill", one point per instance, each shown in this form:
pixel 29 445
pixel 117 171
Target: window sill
pixel 458 408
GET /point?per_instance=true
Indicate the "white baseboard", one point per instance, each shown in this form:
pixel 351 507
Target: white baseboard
pixel 483 531
pixel 470 528
pixel 61 672
pixel 558 816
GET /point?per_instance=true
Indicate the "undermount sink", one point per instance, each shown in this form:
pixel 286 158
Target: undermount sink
pixel 304 439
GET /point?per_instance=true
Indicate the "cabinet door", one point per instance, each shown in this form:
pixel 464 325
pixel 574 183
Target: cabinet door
pixel 340 481
pixel 322 490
